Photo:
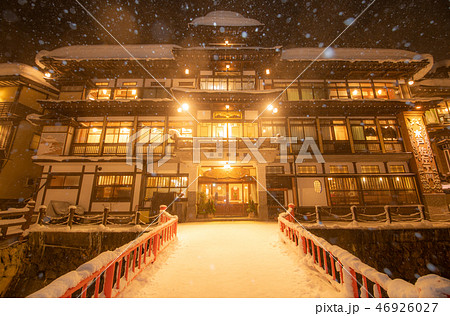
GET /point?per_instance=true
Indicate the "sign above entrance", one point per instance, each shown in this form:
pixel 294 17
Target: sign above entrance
pixel 227 115
pixel 232 173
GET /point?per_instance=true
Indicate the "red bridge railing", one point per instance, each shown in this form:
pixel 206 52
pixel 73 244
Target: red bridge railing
pixel 110 272
pixel 351 277
pixel 347 273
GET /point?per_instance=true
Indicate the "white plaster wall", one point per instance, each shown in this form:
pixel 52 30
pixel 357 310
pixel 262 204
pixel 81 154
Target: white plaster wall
pixel 307 195
pixel 114 206
pixel 66 195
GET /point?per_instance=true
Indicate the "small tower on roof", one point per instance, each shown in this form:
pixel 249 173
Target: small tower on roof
pixel 222 28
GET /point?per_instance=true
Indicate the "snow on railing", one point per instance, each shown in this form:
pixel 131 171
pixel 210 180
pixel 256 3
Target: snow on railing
pixel 349 274
pixel 363 214
pixel 110 272
pixel 105 218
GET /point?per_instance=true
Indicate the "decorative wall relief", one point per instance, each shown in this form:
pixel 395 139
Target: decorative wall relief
pixel 421 148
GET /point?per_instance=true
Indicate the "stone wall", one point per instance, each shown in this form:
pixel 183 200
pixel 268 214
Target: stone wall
pixel 11 259
pixel 45 256
pixel 400 253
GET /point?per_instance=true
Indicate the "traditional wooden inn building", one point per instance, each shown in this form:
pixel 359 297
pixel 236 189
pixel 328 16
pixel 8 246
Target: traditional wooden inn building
pixel 355 103
pixel 20 88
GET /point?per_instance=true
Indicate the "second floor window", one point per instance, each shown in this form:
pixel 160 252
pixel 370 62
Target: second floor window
pixel 126 93
pixel 118 132
pixel 99 94
pixel 227 83
pixel 89 133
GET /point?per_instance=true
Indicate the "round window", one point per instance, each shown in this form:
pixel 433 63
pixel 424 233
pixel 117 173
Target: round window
pixel 317 186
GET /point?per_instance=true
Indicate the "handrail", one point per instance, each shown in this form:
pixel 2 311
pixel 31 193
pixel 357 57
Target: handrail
pixel 109 273
pixel 356 213
pixel 346 272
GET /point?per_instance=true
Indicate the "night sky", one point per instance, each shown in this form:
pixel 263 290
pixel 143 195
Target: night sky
pixel 28 26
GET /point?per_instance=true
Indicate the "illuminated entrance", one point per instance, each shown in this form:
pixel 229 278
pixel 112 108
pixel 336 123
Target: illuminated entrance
pixel 230 188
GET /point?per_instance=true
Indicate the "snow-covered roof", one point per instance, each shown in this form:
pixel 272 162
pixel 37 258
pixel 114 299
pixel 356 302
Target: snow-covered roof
pixel 358 54
pixel 102 52
pixel 441 82
pixel 17 69
pixel 225 18
pixel 441 64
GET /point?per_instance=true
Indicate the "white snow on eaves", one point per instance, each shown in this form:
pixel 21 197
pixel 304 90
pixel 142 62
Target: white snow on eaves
pixel 17 69
pixel 102 52
pixel 445 82
pixel 225 18
pixel 358 54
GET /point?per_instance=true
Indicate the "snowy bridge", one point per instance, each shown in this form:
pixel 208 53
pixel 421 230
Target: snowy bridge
pixel 232 259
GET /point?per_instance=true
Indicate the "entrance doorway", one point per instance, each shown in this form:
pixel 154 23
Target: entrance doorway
pixel 231 191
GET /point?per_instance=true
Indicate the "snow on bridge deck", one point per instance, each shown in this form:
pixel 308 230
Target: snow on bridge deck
pixel 229 259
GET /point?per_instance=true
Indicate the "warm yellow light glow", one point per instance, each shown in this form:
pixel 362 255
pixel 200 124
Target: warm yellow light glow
pixel 179 109
pixel 270 107
pixel 364 179
pixel 95 130
pixel 381 179
pixel 275 110
pixel 48 75
pixel 227 106
pixel 418 107
pixel 133 92
pixel 186 71
pixel 125 130
pixel 379 91
pixel 398 179
pixel 227 66
pixel 267 71
pixel 104 91
pixel 226 42
pixel 227 165
pixel 355 92
pixel 411 82
pixel 185 106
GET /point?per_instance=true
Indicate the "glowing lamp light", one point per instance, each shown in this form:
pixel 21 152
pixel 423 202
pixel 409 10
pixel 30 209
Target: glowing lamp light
pixel 185 106
pixel 227 106
pixel 355 92
pixel 267 71
pixel 95 130
pixel 226 42
pixel 418 107
pixel 104 91
pixel 411 82
pixel 275 110
pixel 186 71
pixel 227 166
pixel 379 91
pixel 227 66
pixel 179 110
pixel 133 92
pixel 47 75
pixel 270 107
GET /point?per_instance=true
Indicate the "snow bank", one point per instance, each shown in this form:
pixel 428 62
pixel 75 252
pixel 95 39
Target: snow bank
pixel 225 18
pixel 358 54
pixel 103 52
pixel 17 69
pixel 432 285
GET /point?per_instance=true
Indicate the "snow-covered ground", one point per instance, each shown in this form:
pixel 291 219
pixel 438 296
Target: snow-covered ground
pixel 229 259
